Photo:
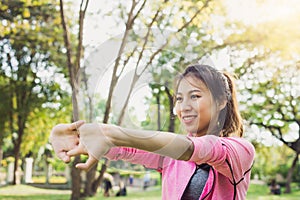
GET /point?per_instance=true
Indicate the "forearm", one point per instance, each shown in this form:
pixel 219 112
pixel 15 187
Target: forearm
pixel 163 143
pixel 96 140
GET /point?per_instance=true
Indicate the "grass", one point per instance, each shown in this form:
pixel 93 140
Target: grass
pixel 153 193
pixel 25 192
pixel 261 192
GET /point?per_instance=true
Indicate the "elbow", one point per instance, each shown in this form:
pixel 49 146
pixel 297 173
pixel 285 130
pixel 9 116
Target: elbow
pixel 189 152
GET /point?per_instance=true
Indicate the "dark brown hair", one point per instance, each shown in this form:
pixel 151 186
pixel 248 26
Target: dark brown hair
pixel 221 86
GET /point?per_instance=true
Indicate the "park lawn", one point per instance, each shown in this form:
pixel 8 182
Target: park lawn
pixel 152 193
pixel 261 192
pixel 25 192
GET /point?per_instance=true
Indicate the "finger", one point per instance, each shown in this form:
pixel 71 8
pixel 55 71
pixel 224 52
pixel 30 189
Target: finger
pixel 88 164
pixel 76 125
pixel 76 151
pixel 63 156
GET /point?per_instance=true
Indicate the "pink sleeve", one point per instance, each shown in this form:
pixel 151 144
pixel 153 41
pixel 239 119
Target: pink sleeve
pixel 135 156
pixel 230 156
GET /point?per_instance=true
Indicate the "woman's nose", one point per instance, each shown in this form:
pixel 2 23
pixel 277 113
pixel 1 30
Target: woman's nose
pixel 185 105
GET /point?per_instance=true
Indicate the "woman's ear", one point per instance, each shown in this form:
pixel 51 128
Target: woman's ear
pixel 174 110
pixel 222 105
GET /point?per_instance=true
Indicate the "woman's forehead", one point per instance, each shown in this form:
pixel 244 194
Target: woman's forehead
pixel 192 82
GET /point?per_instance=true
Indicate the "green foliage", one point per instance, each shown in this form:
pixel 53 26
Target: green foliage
pixel 261 191
pixel 31 58
pixel 4 108
pixel 269 99
pixel 270 161
pixel 269 95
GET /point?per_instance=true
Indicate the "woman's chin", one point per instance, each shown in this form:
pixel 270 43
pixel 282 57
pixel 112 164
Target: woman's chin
pixel 191 130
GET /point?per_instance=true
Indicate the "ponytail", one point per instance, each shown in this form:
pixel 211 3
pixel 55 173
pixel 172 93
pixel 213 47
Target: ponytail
pixel 233 124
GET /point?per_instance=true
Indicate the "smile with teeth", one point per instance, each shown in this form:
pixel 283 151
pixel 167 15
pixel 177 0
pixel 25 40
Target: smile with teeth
pixel 188 118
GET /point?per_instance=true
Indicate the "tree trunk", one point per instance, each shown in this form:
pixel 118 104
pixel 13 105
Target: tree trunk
pixel 171 106
pixel 17 146
pixel 90 178
pixel 98 181
pixel 73 69
pixel 75 173
pixel 1 155
pixel 76 180
pixel 290 174
pixel 47 172
pixel 16 164
pixel 158 112
pixel 91 174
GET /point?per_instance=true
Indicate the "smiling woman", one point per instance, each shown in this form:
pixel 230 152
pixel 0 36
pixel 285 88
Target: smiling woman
pixel 211 162
pixel 191 104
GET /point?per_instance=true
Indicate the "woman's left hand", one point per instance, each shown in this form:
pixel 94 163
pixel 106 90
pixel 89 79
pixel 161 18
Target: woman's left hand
pixel 65 137
pixel 92 142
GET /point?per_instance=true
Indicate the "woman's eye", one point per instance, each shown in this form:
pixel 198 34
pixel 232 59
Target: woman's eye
pixel 194 96
pixel 179 99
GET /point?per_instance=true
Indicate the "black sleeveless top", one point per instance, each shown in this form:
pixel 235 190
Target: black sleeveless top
pixel 196 184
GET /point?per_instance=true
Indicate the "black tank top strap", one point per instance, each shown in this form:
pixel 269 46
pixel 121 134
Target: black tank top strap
pixel 204 166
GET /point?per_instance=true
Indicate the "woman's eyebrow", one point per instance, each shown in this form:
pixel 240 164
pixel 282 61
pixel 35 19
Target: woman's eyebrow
pixel 196 90
pixel 191 91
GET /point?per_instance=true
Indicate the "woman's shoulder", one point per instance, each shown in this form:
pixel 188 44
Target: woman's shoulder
pixel 238 142
pixel 236 139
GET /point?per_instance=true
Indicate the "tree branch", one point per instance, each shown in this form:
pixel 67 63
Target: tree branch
pixel 114 77
pixel 194 16
pixel 82 12
pixel 146 39
pixel 67 44
pixel 272 129
pixel 140 9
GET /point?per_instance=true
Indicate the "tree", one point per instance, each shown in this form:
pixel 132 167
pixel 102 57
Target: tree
pixel 143 21
pixel 73 64
pixel 29 29
pixel 4 108
pixel 272 99
pixel 267 65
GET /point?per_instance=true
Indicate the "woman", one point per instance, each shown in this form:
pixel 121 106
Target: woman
pixel 211 162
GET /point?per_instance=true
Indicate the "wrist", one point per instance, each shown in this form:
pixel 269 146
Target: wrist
pixel 96 139
pixel 112 134
pixel 121 137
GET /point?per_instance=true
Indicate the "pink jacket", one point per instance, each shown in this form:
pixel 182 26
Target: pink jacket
pixel 231 159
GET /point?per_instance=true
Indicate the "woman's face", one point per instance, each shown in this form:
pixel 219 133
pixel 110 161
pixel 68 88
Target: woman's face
pixel 194 105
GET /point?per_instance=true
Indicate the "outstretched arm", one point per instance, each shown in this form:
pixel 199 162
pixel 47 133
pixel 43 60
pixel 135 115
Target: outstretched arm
pixel 97 139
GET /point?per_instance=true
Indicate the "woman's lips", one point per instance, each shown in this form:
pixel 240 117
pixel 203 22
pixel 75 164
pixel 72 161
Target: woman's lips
pixel 187 119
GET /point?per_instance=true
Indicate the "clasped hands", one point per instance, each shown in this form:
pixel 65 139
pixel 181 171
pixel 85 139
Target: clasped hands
pixel 77 138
